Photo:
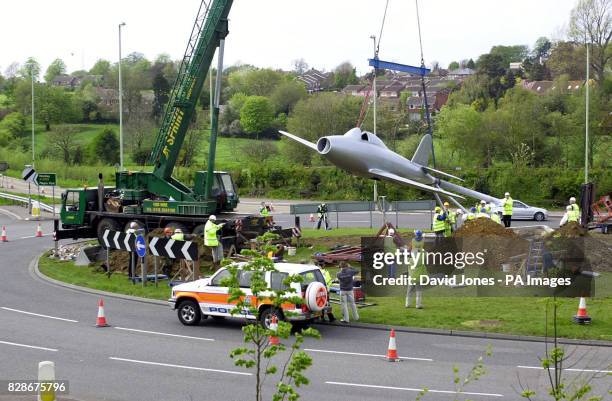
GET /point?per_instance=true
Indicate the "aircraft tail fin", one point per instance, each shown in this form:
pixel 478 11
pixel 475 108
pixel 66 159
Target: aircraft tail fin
pixel 423 152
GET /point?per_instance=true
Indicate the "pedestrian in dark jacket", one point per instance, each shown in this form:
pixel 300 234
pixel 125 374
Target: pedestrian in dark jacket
pixel 345 277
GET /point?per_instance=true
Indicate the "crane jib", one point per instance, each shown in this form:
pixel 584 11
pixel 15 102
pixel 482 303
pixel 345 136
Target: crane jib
pixel 176 124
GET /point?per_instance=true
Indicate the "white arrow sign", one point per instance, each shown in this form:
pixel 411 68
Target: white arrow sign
pixel 105 238
pixel 168 248
pixel 116 240
pixel 185 250
pixel 152 246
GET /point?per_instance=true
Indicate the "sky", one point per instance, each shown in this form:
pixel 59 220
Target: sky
pixel 273 33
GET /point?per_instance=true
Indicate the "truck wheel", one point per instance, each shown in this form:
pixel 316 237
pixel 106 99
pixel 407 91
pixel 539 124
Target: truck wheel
pixel 175 224
pixel 106 224
pixel 265 318
pixel 189 312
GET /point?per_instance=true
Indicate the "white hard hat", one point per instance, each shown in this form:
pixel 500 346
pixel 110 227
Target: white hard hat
pixel 568 208
pixel 572 200
pixel 459 211
pixel 507 194
pixel 483 202
pixel 134 225
pixel 391 231
pixel 212 217
pixel 178 230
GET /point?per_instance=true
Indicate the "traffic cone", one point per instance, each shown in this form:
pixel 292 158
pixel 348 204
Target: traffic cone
pixel 392 350
pixel 39 231
pixel 101 321
pixel 274 340
pixel 582 317
pixel 3 237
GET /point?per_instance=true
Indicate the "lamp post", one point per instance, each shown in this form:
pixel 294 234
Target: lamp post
pixel 373 37
pixel 120 104
pixel 33 150
pixel 586 118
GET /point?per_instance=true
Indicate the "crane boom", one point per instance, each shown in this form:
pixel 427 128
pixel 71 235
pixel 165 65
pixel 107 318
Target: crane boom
pixel 209 29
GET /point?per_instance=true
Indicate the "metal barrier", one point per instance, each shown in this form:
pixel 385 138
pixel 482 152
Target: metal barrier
pixel 367 206
pixel 21 199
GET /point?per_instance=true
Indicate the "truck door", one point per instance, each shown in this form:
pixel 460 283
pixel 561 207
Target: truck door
pixel 73 208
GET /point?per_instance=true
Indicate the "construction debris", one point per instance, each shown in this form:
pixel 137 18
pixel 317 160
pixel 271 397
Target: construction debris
pixel 570 230
pixel 69 252
pixel 483 227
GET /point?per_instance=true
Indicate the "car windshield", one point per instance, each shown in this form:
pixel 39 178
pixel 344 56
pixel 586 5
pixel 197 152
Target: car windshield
pixel 312 276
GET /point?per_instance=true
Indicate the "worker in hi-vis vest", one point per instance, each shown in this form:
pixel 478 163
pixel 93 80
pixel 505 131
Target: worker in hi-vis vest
pixel 507 210
pixel 211 240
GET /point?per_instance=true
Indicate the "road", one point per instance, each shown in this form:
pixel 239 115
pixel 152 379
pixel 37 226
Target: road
pixel 148 355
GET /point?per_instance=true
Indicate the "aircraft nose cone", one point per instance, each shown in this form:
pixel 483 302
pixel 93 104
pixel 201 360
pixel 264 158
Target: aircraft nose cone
pixel 324 145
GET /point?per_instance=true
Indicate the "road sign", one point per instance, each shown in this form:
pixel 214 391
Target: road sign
pixel 46 179
pixel 141 246
pixel 29 174
pixel 174 249
pixel 119 240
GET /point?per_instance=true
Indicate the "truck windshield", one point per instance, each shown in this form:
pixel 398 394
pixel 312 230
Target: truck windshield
pixel 228 184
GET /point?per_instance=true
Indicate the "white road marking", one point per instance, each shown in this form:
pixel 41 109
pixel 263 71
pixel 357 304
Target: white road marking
pixel 169 365
pixel 567 369
pixel 11 214
pixel 413 389
pixel 361 354
pixel 39 315
pixel 165 334
pixel 34 236
pixel 28 346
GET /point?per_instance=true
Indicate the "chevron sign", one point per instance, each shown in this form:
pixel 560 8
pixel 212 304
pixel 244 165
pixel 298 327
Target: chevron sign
pixel 119 240
pixel 173 249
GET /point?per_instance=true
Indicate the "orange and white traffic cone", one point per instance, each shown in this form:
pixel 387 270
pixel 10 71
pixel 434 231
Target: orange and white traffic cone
pixel 39 231
pixel 582 317
pixel 101 321
pixel 3 238
pixel 273 339
pixel 392 350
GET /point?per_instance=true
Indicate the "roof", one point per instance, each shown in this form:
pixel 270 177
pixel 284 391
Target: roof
pixel 418 101
pixel 461 71
pixel 291 268
pixel 542 87
pixel 351 88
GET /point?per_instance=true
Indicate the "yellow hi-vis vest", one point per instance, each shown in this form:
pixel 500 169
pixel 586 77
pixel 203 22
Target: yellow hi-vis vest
pixel 178 237
pixel 573 215
pixel 438 225
pixel 495 218
pixel 210 233
pixel 264 212
pixel 507 204
pixel 328 278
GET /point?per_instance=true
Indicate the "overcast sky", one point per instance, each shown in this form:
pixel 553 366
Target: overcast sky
pixel 272 33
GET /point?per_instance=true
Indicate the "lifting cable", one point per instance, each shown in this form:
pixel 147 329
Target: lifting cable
pixel 365 105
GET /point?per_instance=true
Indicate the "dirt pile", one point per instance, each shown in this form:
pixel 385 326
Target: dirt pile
pixel 570 230
pixel 483 227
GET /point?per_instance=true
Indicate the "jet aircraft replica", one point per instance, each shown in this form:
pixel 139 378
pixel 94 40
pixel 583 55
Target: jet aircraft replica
pixel 364 154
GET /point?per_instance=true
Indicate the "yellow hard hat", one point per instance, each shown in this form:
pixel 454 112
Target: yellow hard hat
pixel 446 204
pixel 438 208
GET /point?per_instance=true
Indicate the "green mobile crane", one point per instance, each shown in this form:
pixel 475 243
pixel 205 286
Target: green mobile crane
pixel 156 199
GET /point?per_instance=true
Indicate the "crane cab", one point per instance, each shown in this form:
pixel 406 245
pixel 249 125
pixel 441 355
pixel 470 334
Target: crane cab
pixel 223 189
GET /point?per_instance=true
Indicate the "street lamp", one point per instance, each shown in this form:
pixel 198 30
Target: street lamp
pixel 120 104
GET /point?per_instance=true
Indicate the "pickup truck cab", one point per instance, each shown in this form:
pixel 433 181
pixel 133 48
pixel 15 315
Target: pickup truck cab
pixel 209 297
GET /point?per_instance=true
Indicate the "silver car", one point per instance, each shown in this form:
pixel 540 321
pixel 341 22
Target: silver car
pixel 522 211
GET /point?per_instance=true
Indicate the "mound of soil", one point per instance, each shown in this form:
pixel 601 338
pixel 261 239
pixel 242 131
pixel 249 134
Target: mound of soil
pixel 483 227
pixel 571 230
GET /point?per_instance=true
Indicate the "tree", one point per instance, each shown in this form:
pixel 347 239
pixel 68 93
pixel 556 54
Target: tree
pixel 256 114
pixel 319 115
pixel 541 49
pixel 287 94
pixel 300 66
pixel 57 67
pixel 591 22
pixel 12 70
pixel 453 65
pixel 510 54
pixel 30 69
pixel 62 140
pixel 53 105
pixel 471 64
pixel 13 125
pixel 105 147
pixel 254 82
pixel 345 74
pixel 258 353
pixel 101 67
pixel 567 58
pixel 161 93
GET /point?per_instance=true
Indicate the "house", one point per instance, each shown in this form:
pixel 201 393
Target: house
pixel 315 80
pixel 107 98
pixel 392 90
pixel 460 73
pixel 65 81
pixel 435 103
pixel 353 90
pixel 544 87
pixel 515 66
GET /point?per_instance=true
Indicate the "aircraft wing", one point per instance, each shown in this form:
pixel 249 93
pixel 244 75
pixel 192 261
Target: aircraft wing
pixel 401 180
pixel 434 171
pixel 300 140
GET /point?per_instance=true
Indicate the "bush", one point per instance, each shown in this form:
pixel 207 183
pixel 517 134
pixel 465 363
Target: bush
pixel 105 147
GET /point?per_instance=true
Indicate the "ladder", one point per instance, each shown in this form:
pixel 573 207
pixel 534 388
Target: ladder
pixel 534 265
